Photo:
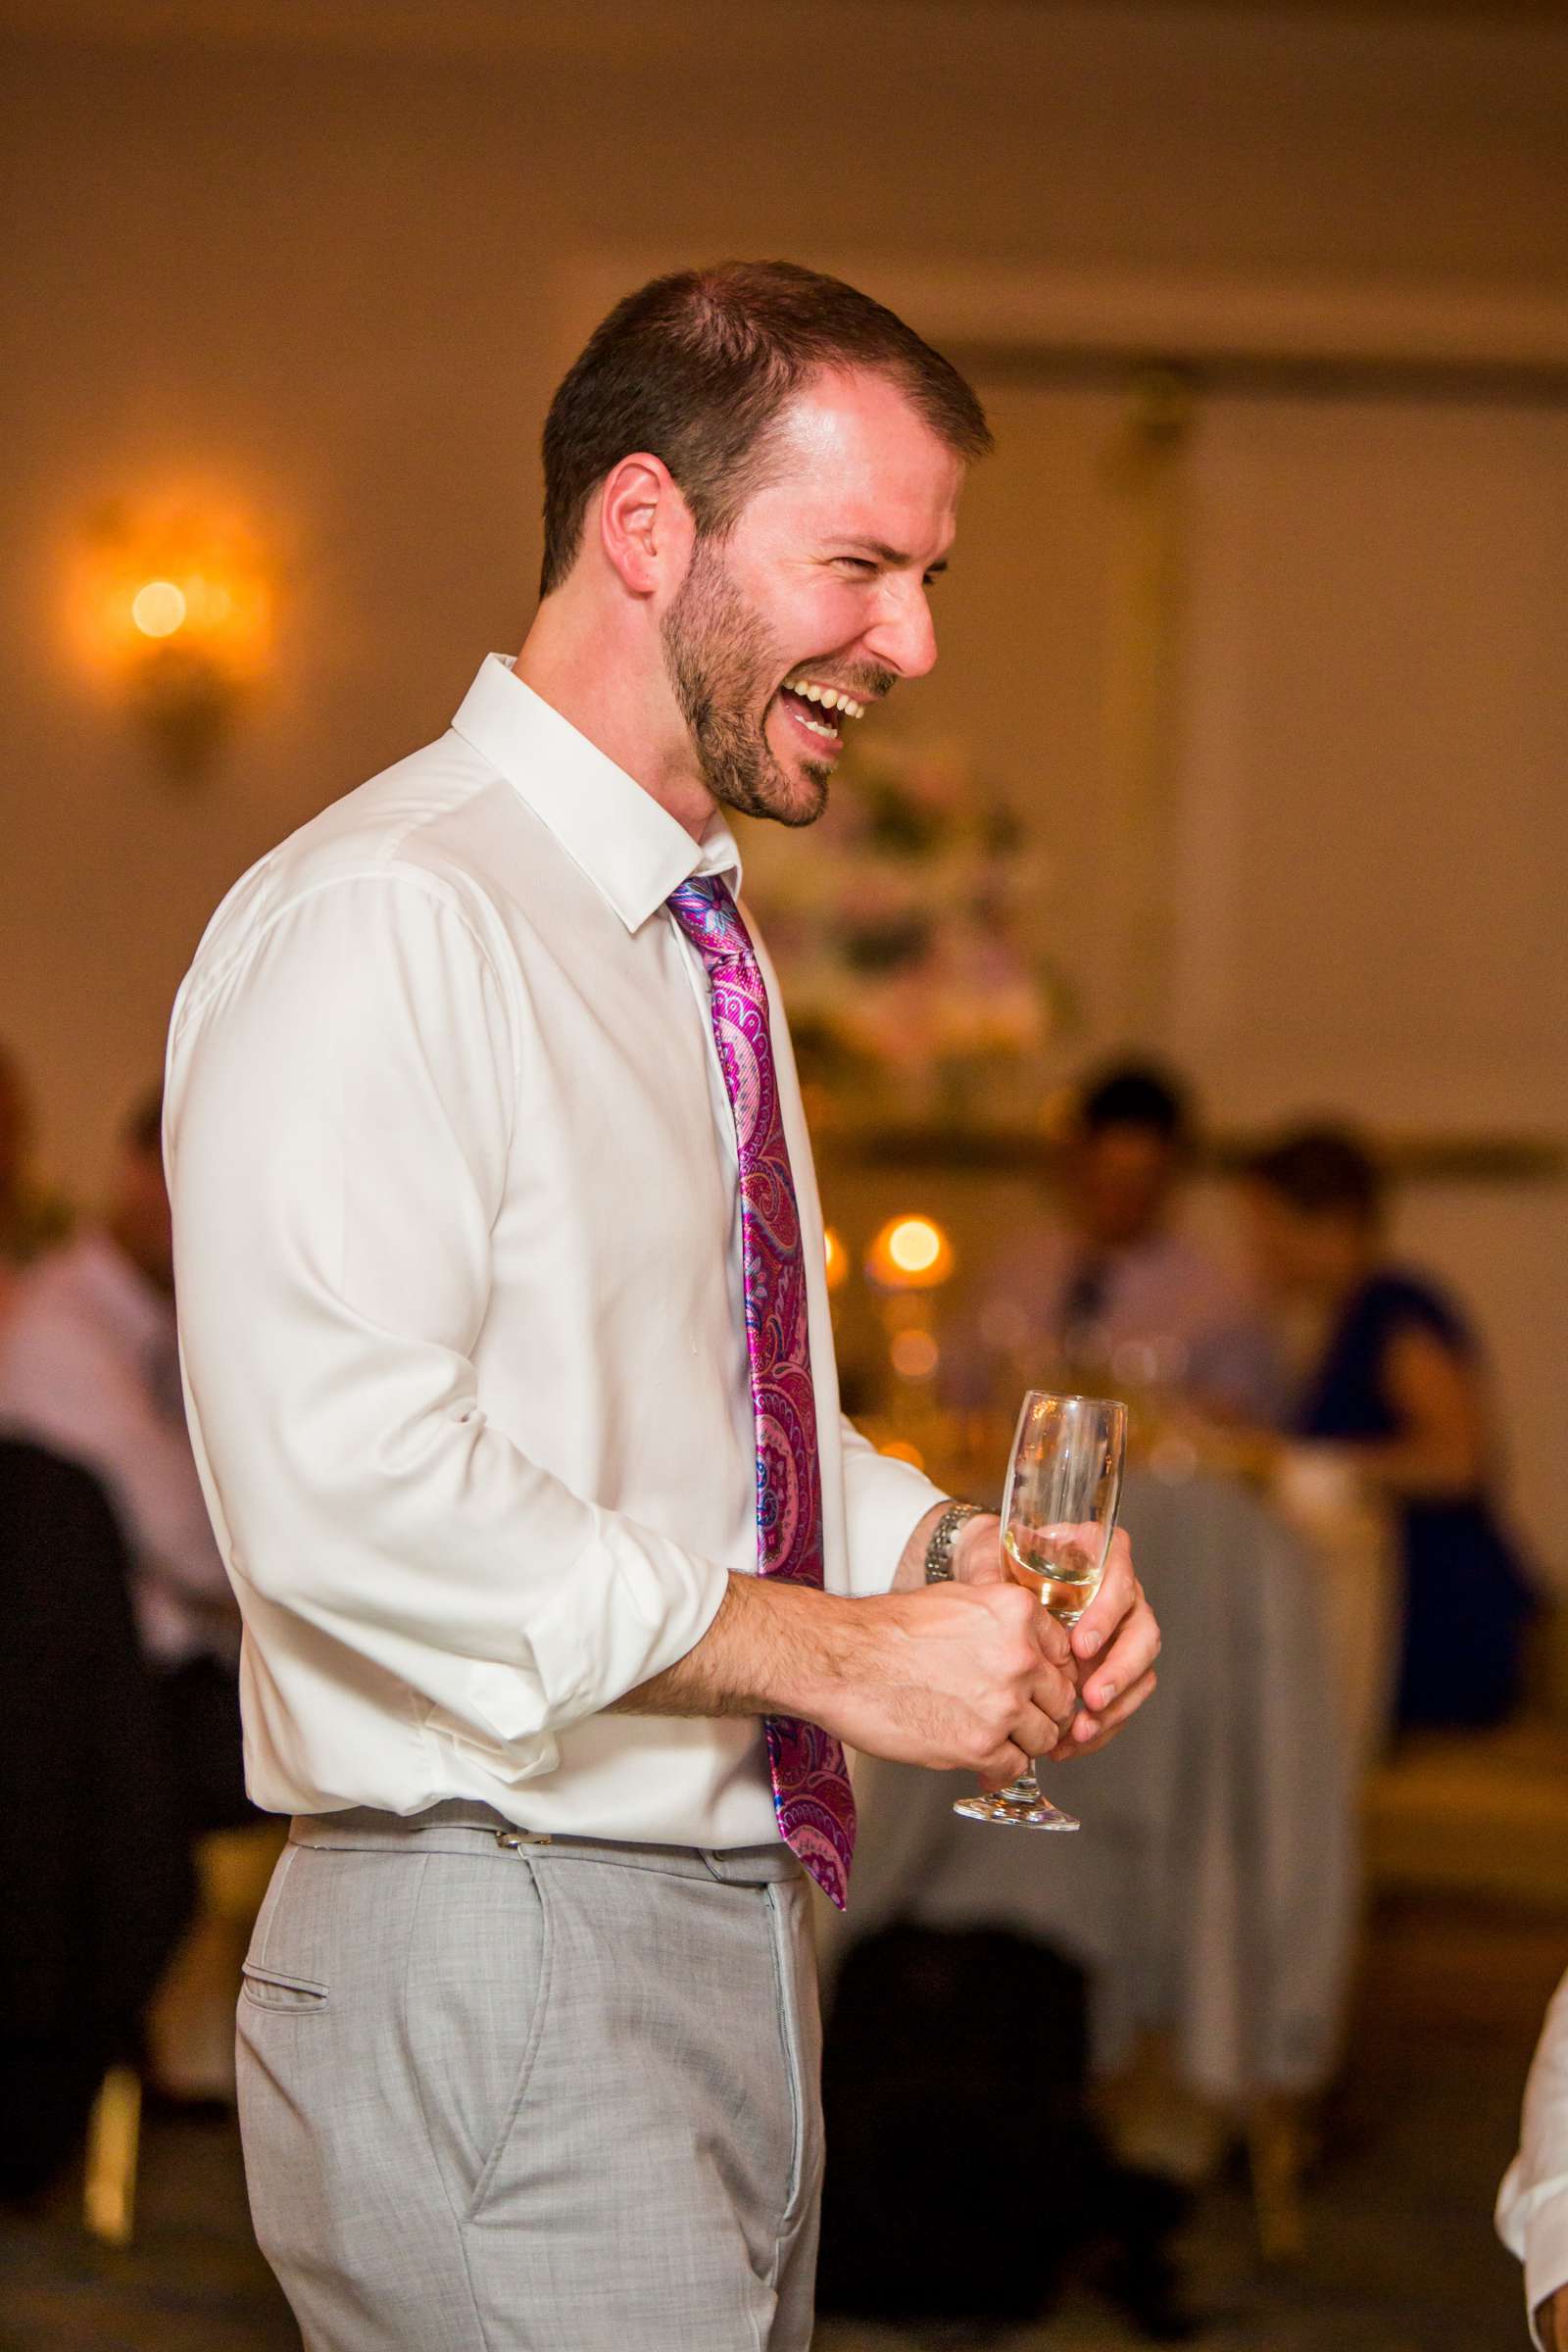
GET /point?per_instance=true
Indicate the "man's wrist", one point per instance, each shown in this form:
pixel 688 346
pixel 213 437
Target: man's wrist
pixel 944 1545
pixel 977 1554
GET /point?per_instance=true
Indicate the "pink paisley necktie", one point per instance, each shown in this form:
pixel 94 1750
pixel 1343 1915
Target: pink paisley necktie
pixel 812 1791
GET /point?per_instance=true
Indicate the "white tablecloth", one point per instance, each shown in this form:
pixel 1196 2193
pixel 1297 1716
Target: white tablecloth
pixel 1210 1890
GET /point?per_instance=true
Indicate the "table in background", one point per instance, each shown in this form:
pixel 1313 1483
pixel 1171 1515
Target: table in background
pixel 1211 1892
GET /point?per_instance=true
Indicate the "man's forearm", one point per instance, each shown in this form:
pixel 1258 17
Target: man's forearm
pixel 775 1646
pixel 773 1649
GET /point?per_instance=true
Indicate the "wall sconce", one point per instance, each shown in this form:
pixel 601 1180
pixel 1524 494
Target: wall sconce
pixel 175 610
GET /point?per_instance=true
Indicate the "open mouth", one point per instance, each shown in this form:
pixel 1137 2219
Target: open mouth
pixel 819 709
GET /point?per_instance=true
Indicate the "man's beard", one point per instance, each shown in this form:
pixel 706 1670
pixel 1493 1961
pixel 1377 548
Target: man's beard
pixel 724 669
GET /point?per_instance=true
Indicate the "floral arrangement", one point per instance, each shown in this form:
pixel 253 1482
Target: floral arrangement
pixel 907 928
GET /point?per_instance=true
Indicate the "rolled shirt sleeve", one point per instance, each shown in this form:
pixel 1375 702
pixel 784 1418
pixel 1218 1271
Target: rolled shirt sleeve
pixel 1533 2201
pixel 884 1501
pixel 344 1108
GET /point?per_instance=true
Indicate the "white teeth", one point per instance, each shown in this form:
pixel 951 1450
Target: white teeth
pixel 829 696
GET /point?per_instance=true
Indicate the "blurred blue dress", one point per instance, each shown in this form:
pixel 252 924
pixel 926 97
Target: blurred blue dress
pixel 1467 1600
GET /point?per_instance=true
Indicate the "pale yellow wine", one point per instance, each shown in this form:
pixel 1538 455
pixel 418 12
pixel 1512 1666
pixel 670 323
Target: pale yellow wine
pixel 1064 1574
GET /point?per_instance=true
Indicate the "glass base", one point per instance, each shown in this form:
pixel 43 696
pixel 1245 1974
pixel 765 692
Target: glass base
pixel 1019 1806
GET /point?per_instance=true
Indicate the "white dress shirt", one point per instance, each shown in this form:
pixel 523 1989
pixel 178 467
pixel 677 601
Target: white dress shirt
pixel 88 1368
pixel 1533 2201
pixel 462 1305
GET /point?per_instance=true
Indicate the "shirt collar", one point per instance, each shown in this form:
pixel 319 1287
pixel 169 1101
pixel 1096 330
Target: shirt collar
pixel 633 850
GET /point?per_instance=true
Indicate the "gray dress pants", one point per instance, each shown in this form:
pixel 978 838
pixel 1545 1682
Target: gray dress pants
pixel 532 2097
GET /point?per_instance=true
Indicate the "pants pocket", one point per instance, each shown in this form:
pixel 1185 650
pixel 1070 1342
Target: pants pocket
pixel 271 1988
pixel 474 2002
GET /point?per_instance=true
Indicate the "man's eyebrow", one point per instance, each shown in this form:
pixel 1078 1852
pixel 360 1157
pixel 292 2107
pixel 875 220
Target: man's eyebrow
pixel 897 557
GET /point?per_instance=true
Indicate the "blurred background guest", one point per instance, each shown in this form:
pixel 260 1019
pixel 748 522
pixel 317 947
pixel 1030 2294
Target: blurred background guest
pixel 89 1369
pixel 1386 1367
pixel 98 1888
pixel 1111 1284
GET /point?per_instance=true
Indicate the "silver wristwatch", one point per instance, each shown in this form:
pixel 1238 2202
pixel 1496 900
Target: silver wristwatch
pixel 944 1536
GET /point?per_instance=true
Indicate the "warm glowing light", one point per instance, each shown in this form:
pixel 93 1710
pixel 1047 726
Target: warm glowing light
pixel 914 1245
pixel 838 1265
pixel 916 1355
pixel 901 1451
pixel 212 605
pixel 909 1253
pixel 172 605
pixel 158 608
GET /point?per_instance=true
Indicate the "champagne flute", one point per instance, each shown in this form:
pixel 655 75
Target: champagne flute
pixel 1063 1490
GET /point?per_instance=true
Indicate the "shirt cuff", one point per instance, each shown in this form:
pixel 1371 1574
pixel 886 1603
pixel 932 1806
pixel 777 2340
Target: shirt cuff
pixel 885 1499
pixel 604 1635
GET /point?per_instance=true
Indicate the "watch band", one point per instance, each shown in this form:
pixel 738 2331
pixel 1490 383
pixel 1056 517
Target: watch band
pixel 944 1536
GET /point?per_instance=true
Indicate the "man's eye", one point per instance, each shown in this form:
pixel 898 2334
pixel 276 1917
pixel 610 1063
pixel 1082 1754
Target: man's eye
pixel 857 563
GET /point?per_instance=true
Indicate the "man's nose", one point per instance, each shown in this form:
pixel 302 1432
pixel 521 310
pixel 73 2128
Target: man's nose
pixel 904 636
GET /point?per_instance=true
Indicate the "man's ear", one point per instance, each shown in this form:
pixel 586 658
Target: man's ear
pixel 645 525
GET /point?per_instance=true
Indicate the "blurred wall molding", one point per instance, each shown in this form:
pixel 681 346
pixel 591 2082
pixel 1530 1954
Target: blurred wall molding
pixel 653 30
pixel 994 312
pixel 1459 1158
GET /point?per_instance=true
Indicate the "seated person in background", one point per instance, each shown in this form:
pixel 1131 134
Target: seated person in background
pixel 93 1855
pixel 1112 1289
pixel 89 1367
pixel 1390 1368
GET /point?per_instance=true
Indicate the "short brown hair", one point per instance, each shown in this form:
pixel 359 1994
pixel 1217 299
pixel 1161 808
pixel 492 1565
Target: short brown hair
pixel 1321 1170
pixel 694 367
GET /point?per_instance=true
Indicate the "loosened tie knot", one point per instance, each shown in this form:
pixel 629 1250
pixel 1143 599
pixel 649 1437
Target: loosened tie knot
pixel 711 919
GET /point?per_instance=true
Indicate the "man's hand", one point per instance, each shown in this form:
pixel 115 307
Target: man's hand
pixel 953 1676
pixel 1113 1645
